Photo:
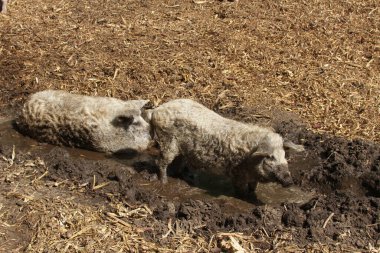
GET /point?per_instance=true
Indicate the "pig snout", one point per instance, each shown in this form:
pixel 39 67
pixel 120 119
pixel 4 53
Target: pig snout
pixel 283 176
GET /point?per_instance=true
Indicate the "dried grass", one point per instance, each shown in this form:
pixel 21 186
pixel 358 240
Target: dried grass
pixel 319 59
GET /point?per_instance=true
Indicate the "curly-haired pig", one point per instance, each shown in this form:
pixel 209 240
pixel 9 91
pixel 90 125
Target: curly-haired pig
pixel 205 140
pixel 97 123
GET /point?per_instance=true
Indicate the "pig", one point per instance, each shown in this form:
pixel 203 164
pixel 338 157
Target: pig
pixel 101 124
pixel 205 140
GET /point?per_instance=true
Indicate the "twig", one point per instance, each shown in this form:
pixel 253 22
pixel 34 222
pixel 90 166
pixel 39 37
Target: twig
pixel 82 231
pixel 171 6
pixel 265 232
pixel 200 2
pixel 235 244
pixel 40 177
pixel 170 229
pixel 210 242
pixel 261 116
pixel 327 220
pixel 239 235
pixel 352 64
pixel 147 209
pixel 96 187
pixel 113 218
pixel 372 225
pixel 13 154
pixel 315 205
pixel 94 182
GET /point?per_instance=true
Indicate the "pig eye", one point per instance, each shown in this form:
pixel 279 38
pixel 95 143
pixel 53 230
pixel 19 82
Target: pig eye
pixel 271 157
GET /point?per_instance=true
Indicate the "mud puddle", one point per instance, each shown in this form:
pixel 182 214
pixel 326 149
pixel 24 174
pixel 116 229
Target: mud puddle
pixel 206 188
pixel 220 189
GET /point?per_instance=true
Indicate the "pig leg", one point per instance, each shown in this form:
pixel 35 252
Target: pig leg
pixel 169 151
pixel 244 182
pixel 240 183
pixel 3 4
pixel 246 190
pixel 252 187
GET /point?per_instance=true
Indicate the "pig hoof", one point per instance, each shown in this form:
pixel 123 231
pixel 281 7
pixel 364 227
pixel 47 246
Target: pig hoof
pixel 164 179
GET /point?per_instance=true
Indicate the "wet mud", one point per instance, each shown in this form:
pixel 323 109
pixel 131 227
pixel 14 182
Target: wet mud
pixel 335 197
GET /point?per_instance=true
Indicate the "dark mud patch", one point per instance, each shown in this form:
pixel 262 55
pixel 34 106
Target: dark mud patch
pixel 340 213
pixel 339 164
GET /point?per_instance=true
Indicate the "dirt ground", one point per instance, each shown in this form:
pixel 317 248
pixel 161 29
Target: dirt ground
pixel 309 69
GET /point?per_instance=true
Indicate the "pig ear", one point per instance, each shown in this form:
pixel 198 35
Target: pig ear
pixel 147 115
pixel 290 145
pixel 261 155
pixel 142 103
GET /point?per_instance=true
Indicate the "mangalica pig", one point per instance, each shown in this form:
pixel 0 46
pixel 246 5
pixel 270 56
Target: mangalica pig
pixel 205 140
pixel 97 123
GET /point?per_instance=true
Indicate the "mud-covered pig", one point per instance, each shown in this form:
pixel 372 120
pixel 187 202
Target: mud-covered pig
pixel 205 140
pixel 97 123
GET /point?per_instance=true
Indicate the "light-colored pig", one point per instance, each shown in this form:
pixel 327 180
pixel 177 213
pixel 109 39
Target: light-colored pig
pixel 97 123
pixel 205 140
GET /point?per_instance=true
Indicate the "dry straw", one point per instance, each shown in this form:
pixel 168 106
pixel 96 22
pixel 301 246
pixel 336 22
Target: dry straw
pixel 318 59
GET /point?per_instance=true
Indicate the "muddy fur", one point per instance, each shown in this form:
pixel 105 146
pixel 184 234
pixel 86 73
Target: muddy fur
pixel 96 123
pixel 206 140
